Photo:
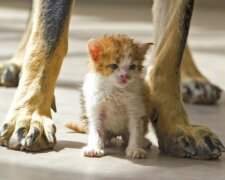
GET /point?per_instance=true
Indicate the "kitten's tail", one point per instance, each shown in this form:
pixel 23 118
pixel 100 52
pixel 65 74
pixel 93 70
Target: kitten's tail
pixel 77 127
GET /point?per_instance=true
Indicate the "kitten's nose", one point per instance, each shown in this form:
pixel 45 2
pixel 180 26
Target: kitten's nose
pixel 124 77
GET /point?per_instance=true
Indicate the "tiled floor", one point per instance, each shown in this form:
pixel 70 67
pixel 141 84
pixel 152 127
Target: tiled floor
pixel 207 40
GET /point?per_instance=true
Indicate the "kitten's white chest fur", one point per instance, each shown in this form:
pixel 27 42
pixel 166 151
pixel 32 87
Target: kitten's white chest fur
pixel 116 115
pixel 112 105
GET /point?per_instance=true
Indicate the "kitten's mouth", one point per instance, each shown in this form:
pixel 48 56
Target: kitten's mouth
pixel 123 81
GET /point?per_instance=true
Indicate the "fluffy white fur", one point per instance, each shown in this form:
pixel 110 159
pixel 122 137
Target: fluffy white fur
pixel 114 110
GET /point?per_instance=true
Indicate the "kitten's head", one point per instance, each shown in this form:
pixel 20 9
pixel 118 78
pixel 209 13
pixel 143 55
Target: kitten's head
pixel 118 58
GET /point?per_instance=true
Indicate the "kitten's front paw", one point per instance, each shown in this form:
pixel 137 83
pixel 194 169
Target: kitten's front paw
pixel 89 151
pixel 136 153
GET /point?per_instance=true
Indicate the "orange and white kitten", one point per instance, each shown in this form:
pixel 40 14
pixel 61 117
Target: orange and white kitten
pixel 116 95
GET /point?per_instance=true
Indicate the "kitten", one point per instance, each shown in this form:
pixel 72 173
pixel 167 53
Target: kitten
pixel 115 96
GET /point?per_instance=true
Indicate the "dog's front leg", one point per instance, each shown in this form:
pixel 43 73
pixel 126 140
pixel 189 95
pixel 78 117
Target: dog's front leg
pixel 176 135
pixel 28 125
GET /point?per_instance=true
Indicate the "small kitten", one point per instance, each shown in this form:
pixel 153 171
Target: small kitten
pixel 115 97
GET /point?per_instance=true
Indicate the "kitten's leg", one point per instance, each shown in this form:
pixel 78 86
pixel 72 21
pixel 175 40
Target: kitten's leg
pixel 10 69
pixel 146 142
pixel 28 124
pixel 95 147
pixel 135 148
pixel 176 135
pixel 195 87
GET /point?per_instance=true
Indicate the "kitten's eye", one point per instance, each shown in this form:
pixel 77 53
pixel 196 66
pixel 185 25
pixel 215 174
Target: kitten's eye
pixel 132 67
pixel 113 66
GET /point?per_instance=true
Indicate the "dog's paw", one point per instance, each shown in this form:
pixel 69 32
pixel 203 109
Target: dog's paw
pixel 195 142
pixel 89 151
pixel 200 92
pixel 9 74
pixel 136 153
pixel 28 132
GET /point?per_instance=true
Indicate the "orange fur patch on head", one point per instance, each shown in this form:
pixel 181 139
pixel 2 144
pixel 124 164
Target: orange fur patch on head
pixel 113 49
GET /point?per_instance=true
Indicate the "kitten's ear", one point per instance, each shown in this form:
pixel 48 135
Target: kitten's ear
pixel 143 48
pixel 95 49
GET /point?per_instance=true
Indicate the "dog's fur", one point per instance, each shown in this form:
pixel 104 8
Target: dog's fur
pixel 28 125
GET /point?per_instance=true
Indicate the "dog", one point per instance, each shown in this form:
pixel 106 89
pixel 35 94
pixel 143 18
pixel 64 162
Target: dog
pixel 28 125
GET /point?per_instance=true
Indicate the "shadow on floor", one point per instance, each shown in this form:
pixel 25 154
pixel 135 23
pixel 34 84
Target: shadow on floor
pixel 63 144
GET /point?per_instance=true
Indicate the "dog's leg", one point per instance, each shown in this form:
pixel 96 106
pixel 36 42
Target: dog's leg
pixel 176 135
pixel 10 69
pixel 196 88
pixel 28 125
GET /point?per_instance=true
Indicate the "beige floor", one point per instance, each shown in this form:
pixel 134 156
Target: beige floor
pixel 207 39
